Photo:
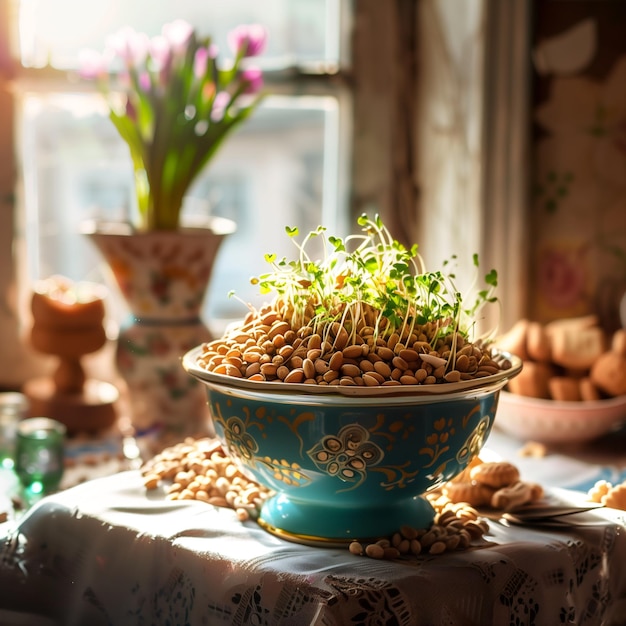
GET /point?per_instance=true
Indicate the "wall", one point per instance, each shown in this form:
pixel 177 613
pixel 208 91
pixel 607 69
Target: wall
pixel 578 213
pixel 15 359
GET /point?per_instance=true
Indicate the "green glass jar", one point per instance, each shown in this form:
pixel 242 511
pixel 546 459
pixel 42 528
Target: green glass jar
pixel 40 454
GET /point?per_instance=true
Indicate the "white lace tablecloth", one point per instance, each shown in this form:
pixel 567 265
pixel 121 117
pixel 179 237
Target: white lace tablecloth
pixel 107 553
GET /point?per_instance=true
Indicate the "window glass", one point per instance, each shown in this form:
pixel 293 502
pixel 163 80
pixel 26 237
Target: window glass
pixel 268 175
pixel 301 31
pixel 278 169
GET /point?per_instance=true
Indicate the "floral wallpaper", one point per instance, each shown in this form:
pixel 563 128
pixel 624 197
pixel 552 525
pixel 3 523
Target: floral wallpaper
pixel 579 161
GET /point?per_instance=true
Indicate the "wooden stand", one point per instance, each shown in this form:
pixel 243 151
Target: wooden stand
pixel 68 323
pixel 90 410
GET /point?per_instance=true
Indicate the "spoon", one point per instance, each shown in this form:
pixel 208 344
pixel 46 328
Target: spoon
pixel 553 514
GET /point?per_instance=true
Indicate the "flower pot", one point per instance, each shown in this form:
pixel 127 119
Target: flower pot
pixel 163 277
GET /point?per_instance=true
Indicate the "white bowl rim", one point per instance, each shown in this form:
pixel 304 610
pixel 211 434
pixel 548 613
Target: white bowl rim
pixel 560 406
pixel 559 422
pixel 442 391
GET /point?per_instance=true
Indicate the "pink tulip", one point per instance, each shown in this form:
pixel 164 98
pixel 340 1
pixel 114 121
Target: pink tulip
pixel 248 39
pixel 200 62
pixel 131 111
pixel 253 76
pixel 144 81
pixel 222 100
pixel 160 51
pixel 161 56
pixel 178 33
pixel 174 80
pixel 132 47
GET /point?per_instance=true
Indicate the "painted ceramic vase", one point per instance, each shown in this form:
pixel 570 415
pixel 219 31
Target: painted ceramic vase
pixel 163 277
pixel 346 466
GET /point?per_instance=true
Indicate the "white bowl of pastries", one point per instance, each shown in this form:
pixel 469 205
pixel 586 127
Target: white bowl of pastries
pixel 572 387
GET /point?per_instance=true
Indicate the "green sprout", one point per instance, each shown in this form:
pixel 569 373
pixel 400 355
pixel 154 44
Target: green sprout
pixel 372 280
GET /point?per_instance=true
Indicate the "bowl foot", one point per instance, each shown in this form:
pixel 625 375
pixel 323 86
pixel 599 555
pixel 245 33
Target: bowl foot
pixel 328 525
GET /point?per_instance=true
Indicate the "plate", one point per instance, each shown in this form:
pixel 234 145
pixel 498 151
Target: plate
pixel 552 421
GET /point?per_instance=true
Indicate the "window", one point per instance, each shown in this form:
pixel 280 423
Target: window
pixel 282 164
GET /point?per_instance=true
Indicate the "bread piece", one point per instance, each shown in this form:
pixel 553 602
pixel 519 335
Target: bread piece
pixel 599 490
pixel 576 347
pixel 608 373
pixel 536 491
pixel 618 343
pixel 564 389
pixel 532 381
pixel 512 496
pixel 514 341
pixel 588 391
pixel 538 343
pixel 616 497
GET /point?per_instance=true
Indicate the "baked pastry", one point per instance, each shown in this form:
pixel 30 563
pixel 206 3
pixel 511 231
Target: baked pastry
pixel 495 474
pixel 588 391
pixel 537 343
pixel 568 359
pixel 473 493
pixel 609 373
pixel 532 381
pixel 564 388
pixel 616 497
pixel 512 496
pixel 514 341
pixel 576 346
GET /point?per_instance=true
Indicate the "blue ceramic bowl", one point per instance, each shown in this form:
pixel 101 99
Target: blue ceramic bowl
pixel 345 465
